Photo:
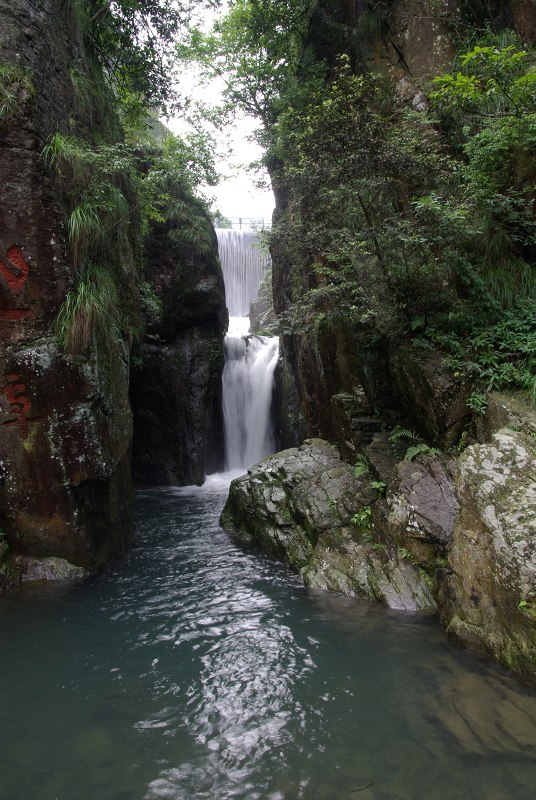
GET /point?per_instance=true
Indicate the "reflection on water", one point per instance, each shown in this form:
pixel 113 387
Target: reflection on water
pixel 194 669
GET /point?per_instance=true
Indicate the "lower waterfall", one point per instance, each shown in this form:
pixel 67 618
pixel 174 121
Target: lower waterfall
pixel 250 360
pixel 248 378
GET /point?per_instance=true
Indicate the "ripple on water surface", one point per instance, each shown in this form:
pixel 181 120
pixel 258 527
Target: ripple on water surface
pixel 192 668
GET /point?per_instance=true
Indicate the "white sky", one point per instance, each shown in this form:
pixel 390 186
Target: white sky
pixel 236 195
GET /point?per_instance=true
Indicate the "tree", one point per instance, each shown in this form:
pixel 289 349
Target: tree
pixel 254 50
pixel 133 42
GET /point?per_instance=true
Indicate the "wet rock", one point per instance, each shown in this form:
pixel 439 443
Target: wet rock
pixel 176 390
pixel 430 395
pixel 65 432
pixel 48 569
pixel 306 505
pixel 422 507
pixel 263 319
pixel 290 420
pixel 506 410
pixel 175 398
pixel 489 600
pixel 354 423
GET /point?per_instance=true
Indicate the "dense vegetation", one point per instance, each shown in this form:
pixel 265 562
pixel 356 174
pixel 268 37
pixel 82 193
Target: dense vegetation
pixel 418 223
pixel 117 169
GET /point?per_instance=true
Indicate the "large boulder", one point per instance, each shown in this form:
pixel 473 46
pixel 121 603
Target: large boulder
pixel 489 599
pixel 308 506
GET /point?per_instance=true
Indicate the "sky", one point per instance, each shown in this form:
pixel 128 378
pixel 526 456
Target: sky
pixel 237 196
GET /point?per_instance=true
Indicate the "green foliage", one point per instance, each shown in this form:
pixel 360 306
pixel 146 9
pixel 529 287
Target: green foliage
pixel 407 555
pixel 491 79
pixel 132 41
pixel 500 355
pixel 363 518
pixel 361 467
pixel 253 49
pixel 401 434
pixel 95 103
pixel 477 403
pixel 16 88
pixel 353 161
pixel 420 450
pixel 391 226
pixel 151 305
pixel 401 439
pixel 99 192
pixel 89 310
pixel 379 486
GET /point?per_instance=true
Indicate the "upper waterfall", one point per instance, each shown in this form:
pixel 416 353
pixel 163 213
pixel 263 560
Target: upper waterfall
pixel 244 267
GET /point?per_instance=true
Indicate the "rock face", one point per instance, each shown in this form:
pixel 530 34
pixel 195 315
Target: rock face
pixel 262 316
pixel 411 534
pixel 308 506
pixel 176 392
pixel 65 423
pixel 489 598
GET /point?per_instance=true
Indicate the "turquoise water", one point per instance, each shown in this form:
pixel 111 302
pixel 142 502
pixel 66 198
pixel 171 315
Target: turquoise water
pixel 191 668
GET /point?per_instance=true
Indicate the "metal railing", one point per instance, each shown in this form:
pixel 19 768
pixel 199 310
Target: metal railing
pixel 242 223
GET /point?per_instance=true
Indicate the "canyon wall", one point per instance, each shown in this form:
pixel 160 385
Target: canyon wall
pixel 66 424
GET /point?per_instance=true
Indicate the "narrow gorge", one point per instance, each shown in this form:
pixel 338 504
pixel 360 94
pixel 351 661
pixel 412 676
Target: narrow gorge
pixel 268 492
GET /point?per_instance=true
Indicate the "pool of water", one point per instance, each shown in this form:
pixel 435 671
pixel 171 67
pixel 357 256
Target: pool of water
pixel 191 668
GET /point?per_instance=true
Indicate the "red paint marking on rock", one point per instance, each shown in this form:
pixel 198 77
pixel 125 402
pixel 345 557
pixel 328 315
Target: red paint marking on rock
pixel 20 405
pixel 13 314
pixel 16 272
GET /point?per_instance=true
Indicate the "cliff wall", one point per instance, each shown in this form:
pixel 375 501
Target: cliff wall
pixel 65 424
pixel 176 389
pixel 70 308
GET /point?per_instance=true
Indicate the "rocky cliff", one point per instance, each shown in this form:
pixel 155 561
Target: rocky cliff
pixel 65 423
pixel 176 389
pixel 71 269
pixel 447 466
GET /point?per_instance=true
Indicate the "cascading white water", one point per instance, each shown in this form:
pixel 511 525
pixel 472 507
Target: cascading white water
pixel 250 360
pixel 244 267
pixel 248 378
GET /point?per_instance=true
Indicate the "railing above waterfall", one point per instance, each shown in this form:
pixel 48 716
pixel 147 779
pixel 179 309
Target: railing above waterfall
pixel 243 223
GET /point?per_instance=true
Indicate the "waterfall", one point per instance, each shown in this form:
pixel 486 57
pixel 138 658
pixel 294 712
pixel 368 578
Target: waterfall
pixel 244 267
pixel 248 378
pixel 250 360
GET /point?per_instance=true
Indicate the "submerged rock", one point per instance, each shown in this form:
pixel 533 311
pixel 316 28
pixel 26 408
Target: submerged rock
pixel 489 599
pixel 306 505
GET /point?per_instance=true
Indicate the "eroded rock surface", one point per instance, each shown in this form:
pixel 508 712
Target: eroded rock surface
pixel 308 506
pixel 65 422
pixel 489 600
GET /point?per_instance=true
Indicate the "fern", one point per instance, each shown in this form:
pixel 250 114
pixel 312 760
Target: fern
pixel 361 467
pixel 421 450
